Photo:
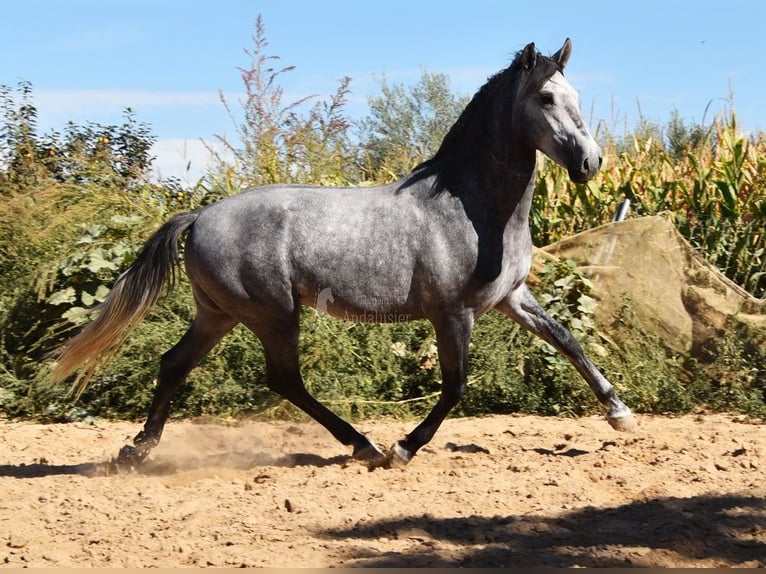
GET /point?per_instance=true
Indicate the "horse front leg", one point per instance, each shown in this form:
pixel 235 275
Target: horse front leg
pixel 521 306
pixel 453 335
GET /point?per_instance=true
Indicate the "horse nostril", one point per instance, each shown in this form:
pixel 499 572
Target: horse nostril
pixel 586 165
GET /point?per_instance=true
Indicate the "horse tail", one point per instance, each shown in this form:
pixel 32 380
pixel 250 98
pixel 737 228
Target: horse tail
pixel 134 292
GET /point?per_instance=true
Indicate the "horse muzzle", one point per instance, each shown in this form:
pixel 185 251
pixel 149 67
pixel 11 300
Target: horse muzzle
pixel 585 167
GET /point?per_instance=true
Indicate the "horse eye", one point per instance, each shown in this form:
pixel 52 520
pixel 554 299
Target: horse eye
pixel 546 99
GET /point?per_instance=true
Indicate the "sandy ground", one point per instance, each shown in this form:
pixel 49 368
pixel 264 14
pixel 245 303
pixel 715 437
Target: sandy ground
pixel 495 491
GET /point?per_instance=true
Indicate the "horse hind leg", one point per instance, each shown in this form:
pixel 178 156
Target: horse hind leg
pixel 280 344
pixel 522 307
pixel 207 329
pixel 453 335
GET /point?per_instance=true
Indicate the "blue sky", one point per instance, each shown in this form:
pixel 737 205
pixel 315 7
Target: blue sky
pixel 89 59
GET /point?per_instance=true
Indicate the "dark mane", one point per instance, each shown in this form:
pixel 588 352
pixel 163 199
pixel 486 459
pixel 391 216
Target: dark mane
pixel 483 113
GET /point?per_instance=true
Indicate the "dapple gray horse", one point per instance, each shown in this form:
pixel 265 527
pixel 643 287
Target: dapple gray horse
pixel 447 243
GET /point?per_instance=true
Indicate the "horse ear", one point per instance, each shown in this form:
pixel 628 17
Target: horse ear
pixel 529 56
pixel 562 56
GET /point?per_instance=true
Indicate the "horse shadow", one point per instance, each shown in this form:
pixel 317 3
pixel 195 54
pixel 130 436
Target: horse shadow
pixel 164 465
pixel 723 529
pixel 237 460
pixel 43 469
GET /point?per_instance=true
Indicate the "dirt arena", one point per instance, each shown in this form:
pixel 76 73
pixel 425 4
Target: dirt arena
pixel 497 491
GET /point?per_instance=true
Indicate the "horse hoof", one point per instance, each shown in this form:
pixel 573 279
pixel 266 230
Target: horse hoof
pixel 130 457
pixel 128 453
pixel 370 454
pixel 398 456
pixel 626 423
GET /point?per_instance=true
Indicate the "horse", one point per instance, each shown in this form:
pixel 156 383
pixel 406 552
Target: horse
pixel 446 243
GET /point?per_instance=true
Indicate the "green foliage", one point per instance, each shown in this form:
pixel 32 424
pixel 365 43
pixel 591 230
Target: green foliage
pixel 76 207
pixel 389 367
pixel 731 375
pixel 683 138
pixel 407 124
pixel 94 153
pixel 644 373
pixel 85 276
pixel 513 371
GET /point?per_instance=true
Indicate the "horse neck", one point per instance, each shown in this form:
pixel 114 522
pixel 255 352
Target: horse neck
pixel 496 185
pixel 514 185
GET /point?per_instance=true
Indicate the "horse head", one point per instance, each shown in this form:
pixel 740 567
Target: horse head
pixel 549 115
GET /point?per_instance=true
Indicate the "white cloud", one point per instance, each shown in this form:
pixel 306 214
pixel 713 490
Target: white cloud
pixel 185 159
pixel 98 101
